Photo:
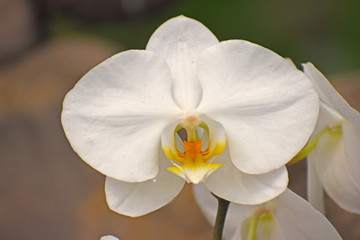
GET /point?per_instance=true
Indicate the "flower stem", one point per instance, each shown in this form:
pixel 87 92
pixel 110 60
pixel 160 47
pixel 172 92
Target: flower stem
pixel 223 206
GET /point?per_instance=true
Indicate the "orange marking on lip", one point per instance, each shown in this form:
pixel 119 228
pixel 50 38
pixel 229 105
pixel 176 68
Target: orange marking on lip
pixel 192 149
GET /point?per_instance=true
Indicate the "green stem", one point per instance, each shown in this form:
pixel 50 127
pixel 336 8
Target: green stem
pixel 223 206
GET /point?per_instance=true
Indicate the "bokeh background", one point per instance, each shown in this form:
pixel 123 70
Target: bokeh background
pixel 46 191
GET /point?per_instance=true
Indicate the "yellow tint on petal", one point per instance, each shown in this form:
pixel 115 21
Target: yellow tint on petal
pixel 194 173
pixel 332 134
pixel 259 226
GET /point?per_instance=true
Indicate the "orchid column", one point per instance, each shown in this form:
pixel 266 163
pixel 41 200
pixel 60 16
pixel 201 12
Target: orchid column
pixel 245 110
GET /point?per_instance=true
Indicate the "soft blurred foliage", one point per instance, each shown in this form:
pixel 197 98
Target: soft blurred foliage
pixel 46 191
pixel 325 32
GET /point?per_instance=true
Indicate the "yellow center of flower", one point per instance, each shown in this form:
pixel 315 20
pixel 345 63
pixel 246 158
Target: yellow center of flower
pixel 194 164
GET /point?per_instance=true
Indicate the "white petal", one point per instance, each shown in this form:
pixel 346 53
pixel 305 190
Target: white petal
pixel 137 199
pixel 267 107
pixel 294 217
pixel 109 237
pixel 337 159
pixel 230 183
pixel 337 164
pixel 180 40
pixel 114 116
pixel 315 191
pixel 331 97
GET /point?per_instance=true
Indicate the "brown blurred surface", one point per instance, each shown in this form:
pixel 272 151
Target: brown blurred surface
pixel 16 27
pixel 47 192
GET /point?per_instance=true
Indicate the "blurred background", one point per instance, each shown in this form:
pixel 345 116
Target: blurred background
pixel 46 191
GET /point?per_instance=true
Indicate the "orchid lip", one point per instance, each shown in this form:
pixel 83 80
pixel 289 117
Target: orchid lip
pixel 193 162
pixel 194 167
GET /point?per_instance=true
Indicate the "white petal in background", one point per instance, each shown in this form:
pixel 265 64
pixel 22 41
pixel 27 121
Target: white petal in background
pixel 109 237
pixel 114 115
pixel 315 190
pixel 267 107
pixel 331 97
pixel 294 218
pixel 336 158
pixel 337 164
pixel 137 199
pixel 236 186
pixel 180 41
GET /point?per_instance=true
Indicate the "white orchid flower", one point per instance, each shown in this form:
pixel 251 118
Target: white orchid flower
pixel 123 118
pixel 334 158
pixel 286 217
pixel 109 237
